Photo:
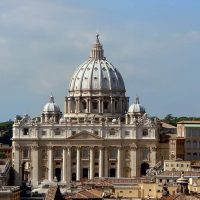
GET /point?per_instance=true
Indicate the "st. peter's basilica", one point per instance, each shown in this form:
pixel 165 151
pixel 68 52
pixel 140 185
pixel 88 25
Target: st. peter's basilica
pixel 97 135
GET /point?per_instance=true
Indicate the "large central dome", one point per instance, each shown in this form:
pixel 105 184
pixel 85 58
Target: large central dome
pixel 96 88
pixel 96 76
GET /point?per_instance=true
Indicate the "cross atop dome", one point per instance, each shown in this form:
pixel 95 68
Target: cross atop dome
pixel 137 101
pixel 97 38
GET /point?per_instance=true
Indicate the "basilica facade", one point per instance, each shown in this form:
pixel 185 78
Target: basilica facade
pixel 98 135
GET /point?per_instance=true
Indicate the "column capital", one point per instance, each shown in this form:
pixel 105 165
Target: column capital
pixel 120 147
pixel 17 147
pixel 64 148
pixel 50 147
pixel 133 147
pixel 34 147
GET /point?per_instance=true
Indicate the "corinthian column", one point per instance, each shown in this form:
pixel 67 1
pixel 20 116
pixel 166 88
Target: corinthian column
pixel 91 162
pixel 64 167
pixel 35 162
pixel 50 164
pixel 69 163
pixel 100 162
pixel 106 163
pixel 119 162
pixel 78 164
pixel 134 161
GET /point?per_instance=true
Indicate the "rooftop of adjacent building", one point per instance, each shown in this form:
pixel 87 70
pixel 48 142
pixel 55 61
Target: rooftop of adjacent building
pixel 177 174
pixel 5 146
pixel 9 189
pixel 182 197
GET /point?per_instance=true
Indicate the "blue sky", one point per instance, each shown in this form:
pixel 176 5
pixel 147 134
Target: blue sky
pixel 154 44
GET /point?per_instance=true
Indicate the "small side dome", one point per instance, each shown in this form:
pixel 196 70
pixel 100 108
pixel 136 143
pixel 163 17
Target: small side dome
pixel 51 106
pixel 136 107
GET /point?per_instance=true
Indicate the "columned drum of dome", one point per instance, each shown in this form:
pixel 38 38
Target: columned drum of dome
pixel 96 87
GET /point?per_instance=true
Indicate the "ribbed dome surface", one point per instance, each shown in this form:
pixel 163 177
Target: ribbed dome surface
pixel 51 106
pixel 97 74
pixel 136 107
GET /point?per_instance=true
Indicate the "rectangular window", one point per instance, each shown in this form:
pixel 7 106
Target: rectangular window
pixel 112 132
pixel 57 132
pixel 25 131
pixel 96 132
pixel 73 132
pixel 127 133
pixel 43 132
pixel 44 154
pixel 25 154
pixel 145 132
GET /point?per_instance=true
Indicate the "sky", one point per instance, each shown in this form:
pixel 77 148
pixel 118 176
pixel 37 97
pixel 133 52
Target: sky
pixel 154 44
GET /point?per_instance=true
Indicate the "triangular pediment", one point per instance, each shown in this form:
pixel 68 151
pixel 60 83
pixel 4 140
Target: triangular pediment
pixel 84 135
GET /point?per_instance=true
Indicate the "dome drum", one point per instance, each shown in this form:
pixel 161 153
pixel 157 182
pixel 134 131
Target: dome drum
pixel 96 105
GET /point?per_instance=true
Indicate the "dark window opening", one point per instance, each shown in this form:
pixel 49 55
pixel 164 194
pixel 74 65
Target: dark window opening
pixel 25 131
pixel 105 105
pixel 84 104
pixel 145 132
pixel 94 105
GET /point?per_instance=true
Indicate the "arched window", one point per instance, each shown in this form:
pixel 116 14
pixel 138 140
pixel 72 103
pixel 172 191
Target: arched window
pixel 144 167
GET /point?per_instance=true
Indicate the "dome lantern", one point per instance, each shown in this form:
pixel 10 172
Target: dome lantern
pixel 97 51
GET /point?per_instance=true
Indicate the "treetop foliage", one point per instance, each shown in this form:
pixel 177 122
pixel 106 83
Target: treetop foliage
pixel 170 119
